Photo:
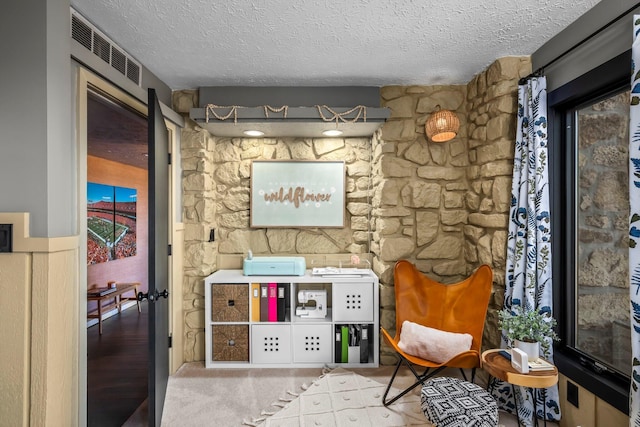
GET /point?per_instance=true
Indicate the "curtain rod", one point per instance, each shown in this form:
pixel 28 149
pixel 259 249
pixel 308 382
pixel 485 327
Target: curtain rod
pixel 540 70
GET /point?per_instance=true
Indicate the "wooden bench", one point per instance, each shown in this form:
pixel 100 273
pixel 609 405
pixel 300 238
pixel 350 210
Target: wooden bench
pixel 114 298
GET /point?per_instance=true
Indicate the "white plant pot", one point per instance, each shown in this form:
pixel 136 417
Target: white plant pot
pixel 531 348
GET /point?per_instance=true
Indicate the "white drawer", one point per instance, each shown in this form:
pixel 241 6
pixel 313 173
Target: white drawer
pixel 270 344
pixel 352 302
pixel 312 343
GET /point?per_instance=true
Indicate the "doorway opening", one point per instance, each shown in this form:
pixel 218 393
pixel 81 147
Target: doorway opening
pixel 117 251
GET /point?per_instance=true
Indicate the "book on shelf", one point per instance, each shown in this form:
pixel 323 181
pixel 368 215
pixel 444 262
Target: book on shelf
pixel 264 303
pixel 352 343
pixel 255 302
pixel 273 302
pixel 364 343
pixel 540 365
pixel 282 309
pixel 344 354
pixel 269 302
pixel 534 365
pixel 99 292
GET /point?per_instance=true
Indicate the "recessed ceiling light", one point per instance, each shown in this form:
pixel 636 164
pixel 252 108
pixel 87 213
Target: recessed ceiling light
pixel 253 133
pixel 332 132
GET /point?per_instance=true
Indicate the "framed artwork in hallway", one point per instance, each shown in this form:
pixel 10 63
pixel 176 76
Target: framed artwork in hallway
pixel 111 222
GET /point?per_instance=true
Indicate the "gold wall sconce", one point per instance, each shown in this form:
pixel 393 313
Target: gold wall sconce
pixel 442 125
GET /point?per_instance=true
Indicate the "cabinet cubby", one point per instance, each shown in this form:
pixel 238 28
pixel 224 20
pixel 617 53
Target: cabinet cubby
pixel 238 334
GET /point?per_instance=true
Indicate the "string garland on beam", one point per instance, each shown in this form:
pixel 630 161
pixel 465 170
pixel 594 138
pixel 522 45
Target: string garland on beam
pixel 330 116
pixel 210 108
pixel 268 108
pixel 361 109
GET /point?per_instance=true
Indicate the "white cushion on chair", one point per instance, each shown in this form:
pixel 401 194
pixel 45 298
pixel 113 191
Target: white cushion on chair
pixel 432 344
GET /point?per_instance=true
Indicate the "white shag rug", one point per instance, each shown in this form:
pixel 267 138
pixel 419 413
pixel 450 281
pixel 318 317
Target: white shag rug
pixel 343 398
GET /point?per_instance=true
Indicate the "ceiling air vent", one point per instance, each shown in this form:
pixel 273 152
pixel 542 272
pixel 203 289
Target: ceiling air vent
pixel 95 41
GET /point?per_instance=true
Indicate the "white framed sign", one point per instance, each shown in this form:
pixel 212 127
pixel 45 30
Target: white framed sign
pixel 297 193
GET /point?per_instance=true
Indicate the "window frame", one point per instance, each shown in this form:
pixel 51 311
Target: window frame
pixel 609 77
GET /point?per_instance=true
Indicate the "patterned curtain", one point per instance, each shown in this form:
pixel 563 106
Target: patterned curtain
pixel 528 268
pixel 634 225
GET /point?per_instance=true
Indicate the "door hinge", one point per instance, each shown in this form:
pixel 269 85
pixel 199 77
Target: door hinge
pixel 169 158
pixel 170 341
pixel 169 250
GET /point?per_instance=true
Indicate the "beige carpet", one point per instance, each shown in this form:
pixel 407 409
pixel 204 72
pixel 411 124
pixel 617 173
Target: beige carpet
pixel 197 396
pixel 200 397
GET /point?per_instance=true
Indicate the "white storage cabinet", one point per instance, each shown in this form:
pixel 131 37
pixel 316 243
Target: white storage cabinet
pixel 236 337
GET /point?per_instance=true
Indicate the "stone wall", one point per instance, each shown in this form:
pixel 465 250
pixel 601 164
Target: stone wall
pixel 443 206
pixel 216 186
pixel 492 101
pixel 199 216
pixel 232 164
pixel 418 206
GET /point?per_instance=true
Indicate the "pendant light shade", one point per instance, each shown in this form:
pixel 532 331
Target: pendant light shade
pixel 442 125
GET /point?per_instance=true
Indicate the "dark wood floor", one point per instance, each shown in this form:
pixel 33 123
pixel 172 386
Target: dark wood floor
pixel 117 361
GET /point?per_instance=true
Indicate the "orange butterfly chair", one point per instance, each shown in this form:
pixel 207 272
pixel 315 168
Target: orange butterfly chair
pixel 459 307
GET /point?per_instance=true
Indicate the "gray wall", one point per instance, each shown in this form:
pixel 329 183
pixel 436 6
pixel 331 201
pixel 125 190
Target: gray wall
pixel 38 149
pixel 38 159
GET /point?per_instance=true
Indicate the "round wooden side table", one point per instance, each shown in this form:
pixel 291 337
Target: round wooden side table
pixel 498 366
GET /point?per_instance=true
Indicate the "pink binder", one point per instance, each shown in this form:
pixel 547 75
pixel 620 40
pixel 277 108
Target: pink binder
pixel 273 302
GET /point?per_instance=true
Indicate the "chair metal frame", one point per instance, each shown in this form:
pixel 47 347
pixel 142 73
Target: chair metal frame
pixel 458 307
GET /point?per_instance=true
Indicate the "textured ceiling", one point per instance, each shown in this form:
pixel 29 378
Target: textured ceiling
pixel 194 43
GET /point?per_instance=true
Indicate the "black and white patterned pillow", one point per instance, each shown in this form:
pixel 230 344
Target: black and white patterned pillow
pixel 451 402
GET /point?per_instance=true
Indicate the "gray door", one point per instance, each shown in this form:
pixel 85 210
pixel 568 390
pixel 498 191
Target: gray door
pixel 158 259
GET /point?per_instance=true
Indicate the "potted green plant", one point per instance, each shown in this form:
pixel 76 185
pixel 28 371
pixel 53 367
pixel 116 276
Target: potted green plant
pixel 528 330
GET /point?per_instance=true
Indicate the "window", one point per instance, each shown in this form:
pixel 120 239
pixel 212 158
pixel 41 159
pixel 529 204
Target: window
pixel 602 330
pixel 588 144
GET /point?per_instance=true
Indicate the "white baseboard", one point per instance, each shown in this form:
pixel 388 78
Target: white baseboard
pixel 113 312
